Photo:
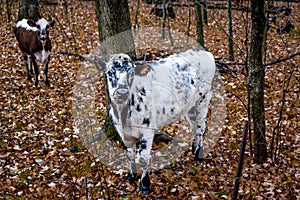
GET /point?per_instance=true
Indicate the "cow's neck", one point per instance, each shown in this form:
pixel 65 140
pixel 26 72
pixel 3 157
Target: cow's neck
pixel 120 112
pixel 44 43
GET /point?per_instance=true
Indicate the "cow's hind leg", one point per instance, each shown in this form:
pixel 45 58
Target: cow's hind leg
pixel 131 176
pixel 145 154
pixel 197 118
pixel 27 60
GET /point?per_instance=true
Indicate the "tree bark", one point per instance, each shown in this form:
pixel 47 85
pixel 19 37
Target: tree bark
pixel 205 12
pixel 230 38
pixel 29 9
pixel 114 18
pixel 199 23
pixel 256 79
pixel 115 36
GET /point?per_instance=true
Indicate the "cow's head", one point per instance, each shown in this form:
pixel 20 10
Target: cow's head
pixel 120 74
pixel 43 28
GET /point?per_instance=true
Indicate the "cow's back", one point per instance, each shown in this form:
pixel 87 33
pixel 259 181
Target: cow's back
pixel 170 88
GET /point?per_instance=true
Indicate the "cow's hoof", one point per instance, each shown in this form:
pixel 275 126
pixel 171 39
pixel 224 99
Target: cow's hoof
pixel 198 160
pixel 145 189
pixel 47 83
pixel 131 177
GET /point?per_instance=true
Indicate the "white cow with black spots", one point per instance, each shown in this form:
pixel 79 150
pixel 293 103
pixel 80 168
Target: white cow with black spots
pixel 148 96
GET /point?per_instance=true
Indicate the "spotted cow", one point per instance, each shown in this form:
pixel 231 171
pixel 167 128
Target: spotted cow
pixel 147 96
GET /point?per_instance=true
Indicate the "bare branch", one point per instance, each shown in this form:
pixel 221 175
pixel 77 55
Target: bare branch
pixel 282 59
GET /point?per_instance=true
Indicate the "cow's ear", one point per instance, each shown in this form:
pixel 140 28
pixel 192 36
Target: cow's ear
pixel 30 22
pixel 142 70
pixel 52 23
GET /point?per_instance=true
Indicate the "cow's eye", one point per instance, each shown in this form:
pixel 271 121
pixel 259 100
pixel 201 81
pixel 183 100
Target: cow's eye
pixel 117 65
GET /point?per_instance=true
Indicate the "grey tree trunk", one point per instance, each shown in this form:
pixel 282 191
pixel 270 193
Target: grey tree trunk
pixel 256 79
pixel 29 9
pixel 199 23
pixel 205 12
pixel 230 38
pixel 115 36
pixel 114 18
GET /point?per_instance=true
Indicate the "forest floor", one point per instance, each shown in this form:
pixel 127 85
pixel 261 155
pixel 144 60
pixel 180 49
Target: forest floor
pixel 41 156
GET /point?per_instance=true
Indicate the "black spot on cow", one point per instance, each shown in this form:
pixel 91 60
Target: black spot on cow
pixel 164 111
pixel 129 114
pixel 181 67
pixel 192 81
pixel 138 108
pixel 172 110
pixel 146 121
pixel 143 145
pixel 143 91
pixel 132 100
pixel 141 100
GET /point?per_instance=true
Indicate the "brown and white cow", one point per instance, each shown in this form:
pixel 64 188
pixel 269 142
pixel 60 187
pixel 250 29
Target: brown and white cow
pixel 35 44
pixel 147 96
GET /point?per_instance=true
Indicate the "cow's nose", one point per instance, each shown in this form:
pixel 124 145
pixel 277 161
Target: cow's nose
pixel 122 94
pixel 43 37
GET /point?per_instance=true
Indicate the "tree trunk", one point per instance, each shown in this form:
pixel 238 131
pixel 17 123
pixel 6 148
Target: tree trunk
pixel 114 18
pixel 256 79
pixel 230 38
pixel 8 8
pixel 29 9
pixel 205 12
pixel 199 23
pixel 115 36
pixel 136 14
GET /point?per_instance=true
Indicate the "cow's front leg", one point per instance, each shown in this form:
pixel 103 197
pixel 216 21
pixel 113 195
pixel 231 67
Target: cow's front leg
pixel 36 70
pixel 46 71
pixel 131 176
pixel 145 154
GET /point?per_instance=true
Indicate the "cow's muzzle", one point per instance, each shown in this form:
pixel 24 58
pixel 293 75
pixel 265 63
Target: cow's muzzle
pixel 43 37
pixel 121 95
